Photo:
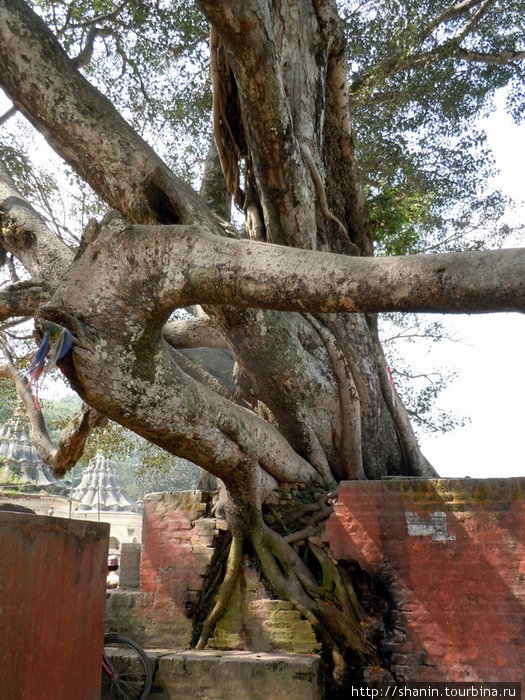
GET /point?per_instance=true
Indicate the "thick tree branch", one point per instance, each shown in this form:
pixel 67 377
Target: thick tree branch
pixel 123 368
pixel 252 274
pixel 475 19
pixel 25 234
pixel 127 372
pixel 86 54
pixel 252 41
pixel 63 456
pixel 197 332
pixel 8 114
pixel 501 59
pixel 201 268
pixel 415 58
pixel 454 10
pixel 24 298
pixel 84 127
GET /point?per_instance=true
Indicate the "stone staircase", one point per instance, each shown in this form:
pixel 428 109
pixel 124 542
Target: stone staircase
pixel 163 579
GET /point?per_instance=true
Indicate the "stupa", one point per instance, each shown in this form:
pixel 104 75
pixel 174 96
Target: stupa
pixel 100 488
pixel 20 463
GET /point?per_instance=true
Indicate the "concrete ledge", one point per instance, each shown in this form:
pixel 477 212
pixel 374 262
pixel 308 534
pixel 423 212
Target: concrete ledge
pixel 242 675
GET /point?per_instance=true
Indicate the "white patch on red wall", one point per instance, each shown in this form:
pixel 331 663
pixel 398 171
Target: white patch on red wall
pixel 434 527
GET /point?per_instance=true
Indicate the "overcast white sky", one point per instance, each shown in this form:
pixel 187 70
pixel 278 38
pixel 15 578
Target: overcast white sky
pixel 490 387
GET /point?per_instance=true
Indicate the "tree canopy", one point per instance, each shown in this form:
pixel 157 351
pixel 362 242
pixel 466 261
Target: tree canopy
pixel 344 138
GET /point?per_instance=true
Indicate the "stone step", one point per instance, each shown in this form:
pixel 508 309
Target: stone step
pixel 263 624
pixel 243 675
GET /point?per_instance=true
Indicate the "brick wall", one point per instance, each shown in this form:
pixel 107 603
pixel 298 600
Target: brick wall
pixel 173 564
pixel 177 550
pixel 452 554
pixel 175 557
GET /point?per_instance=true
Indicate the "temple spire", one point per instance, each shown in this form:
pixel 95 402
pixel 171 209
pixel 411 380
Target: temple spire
pixel 20 463
pixel 100 487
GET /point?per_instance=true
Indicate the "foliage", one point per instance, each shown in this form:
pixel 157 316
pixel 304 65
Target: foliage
pixel 8 400
pixel 151 58
pixel 8 478
pixel 398 217
pixel 418 383
pixel 161 472
pixel 419 142
pixel 420 148
pixel 64 204
pixel 143 468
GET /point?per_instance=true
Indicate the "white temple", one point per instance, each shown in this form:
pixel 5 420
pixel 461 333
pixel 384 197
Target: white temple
pixel 100 488
pixel 20 463
pixel 25 480
pixel 100 496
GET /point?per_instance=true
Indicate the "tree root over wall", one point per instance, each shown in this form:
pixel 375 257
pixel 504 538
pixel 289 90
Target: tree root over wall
pixel 339 600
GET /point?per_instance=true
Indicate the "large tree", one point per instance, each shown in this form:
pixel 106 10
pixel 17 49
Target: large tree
pixel 290 296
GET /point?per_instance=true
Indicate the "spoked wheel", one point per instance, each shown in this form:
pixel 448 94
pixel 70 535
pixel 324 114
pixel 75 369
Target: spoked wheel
pixel 126 670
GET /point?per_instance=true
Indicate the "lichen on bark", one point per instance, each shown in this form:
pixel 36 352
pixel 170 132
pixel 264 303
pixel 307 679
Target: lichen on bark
pixel 314 405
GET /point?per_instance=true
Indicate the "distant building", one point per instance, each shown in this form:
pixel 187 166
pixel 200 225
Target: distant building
pixel 20 463
pixel 100 496
pixel 25 480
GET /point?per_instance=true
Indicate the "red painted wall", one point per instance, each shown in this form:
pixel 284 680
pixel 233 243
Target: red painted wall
pixel 452 554
pixel 52 596
pixel 173 563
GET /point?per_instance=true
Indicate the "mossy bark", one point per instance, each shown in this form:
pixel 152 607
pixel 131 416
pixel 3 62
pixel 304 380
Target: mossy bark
pixel 314 404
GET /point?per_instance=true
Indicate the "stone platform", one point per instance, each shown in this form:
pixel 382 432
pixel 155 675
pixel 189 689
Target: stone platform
pixel 234 675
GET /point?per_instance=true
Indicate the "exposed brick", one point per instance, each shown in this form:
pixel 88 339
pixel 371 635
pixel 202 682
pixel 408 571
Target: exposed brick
pixel 171 572
pixel 287 615
pixel 452 552
pixel 269 604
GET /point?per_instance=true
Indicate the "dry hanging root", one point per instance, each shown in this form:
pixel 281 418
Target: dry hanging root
pixel 225 105
pixel 323 204
pixel 311 580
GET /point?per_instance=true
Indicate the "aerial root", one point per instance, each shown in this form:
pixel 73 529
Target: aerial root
pixel 331 607
pixel 230 579
pixel 313 583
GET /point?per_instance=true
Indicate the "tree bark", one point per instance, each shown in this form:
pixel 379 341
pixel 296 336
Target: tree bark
pixel 289 300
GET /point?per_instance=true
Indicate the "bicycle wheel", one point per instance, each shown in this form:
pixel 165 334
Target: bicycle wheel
pixel 126 670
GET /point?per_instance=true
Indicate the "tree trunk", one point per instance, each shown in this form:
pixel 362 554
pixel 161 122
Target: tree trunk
pixel 314 403
pixel 286 116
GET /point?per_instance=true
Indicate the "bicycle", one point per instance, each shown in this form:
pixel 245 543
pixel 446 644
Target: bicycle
pixel 126 670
